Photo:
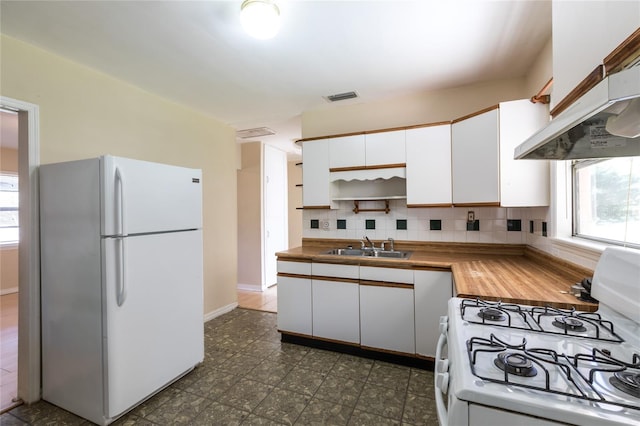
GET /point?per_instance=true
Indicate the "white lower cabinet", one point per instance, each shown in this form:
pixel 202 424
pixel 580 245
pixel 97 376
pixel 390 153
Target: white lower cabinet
pixel 294 297
pixel 432 290
pixel 335 310
pixel 386 318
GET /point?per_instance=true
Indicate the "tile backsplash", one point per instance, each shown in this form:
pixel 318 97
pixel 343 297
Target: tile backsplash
pixel 422 224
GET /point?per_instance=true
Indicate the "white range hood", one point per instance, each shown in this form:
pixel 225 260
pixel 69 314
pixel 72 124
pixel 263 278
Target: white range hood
pixel 604 122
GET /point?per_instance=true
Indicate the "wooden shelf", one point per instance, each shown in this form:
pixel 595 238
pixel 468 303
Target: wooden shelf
pixel 357 209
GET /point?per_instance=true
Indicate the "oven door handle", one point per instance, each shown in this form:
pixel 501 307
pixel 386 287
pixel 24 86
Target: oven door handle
pixel 441 409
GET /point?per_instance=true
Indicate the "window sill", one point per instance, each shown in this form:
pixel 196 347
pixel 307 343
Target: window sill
pixel 588 251
pixel 9 245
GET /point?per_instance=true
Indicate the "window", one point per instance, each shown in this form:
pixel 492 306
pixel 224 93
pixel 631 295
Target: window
pixel 9 226
pixel 606 200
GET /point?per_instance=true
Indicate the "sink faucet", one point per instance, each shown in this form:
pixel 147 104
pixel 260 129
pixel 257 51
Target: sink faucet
pixel 369 241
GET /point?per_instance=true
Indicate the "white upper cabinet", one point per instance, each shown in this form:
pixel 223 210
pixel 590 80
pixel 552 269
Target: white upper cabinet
pixel 429 166
pixel 584 33
pixel 385 148
pixel 483 169
pixel 373 149
pixel 315 174
pixel 347 151
pixel 475 164
pixel 523 183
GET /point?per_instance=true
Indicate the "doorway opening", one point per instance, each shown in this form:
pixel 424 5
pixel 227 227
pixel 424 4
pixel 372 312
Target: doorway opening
pixel 9 232
pixel 24 305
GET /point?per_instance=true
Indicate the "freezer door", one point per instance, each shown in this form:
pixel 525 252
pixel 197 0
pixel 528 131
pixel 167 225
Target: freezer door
pixel 154 328
pixel 140 197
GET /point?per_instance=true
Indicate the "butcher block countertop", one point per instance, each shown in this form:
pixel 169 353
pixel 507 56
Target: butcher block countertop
pixel 511 273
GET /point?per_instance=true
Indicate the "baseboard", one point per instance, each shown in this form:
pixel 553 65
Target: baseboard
pixel 9 290
pixel 249 287
pixel 220 311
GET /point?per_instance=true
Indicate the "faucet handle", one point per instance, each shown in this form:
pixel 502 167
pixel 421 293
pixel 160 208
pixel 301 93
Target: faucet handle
pixel 391 240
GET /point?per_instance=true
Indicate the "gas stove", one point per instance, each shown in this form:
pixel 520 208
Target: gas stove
pixel 540 365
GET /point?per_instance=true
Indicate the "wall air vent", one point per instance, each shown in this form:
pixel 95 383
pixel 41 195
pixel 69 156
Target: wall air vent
pixel 341 96
pixel 254 133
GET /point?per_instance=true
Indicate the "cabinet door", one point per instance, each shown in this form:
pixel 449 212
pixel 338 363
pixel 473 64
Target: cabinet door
pixel 315 174
pixel 432 290
pixel 523 183
pixel 336 310
pixel 429 165
pixel 386 318
pixel 294 305
pixel 346 151
pixel 390 275
pixel 385 148
pixel 475 165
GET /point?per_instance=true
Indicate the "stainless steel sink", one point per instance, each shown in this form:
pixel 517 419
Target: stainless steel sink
pixel 346 252
pixel 394 254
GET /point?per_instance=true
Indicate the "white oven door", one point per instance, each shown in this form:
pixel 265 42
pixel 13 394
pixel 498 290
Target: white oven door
pixel 450 410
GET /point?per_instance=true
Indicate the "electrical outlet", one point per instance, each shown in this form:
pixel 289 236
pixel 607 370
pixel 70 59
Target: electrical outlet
pixel 471 216
pixel 324 224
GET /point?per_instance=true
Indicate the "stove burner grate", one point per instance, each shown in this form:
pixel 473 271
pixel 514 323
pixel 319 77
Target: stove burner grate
pixel 579 370
pixel 565 322
pixel 627 382
pixel 515 363
pixel 491 314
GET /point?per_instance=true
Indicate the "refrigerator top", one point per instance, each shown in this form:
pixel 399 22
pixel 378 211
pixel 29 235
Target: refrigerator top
pixel 141 197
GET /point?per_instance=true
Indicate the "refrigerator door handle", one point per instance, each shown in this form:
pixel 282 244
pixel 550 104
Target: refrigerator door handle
pixel 121 289
pixel 120 202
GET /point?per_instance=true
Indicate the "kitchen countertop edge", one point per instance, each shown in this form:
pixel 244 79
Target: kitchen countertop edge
pixel 510 273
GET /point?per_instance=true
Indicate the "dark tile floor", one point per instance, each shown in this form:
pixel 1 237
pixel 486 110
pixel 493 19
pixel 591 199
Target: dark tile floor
pixel 249 377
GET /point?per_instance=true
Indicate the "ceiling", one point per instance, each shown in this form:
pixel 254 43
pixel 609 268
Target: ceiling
pixel 196 53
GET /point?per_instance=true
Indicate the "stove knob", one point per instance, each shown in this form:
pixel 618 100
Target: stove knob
pixel 442 382
pixel 444 325
pixel 442 365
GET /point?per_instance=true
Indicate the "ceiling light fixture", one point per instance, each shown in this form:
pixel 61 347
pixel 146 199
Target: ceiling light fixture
pixel 260 18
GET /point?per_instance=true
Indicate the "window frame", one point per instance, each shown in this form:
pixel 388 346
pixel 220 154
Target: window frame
pixel 11 243
pixel 575 166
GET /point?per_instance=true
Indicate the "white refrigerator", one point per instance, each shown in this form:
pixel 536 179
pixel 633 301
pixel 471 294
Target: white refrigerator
pixel 122 282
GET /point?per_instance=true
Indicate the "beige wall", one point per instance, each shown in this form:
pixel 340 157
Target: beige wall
pixel 541 71
pixel 250 216
pixel 8 255
pixel 84 113
pixel 294 177
pixel 9 160
pixel 418 108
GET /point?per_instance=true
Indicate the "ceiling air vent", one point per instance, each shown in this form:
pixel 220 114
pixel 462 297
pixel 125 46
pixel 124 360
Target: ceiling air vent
pixel 341 96
pixel 254 133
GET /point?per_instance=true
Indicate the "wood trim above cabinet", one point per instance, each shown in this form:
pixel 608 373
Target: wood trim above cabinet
pixel 473 114
pixel 627 52
pixel 336 279
pixel 420 206
pixel 585 85
pixel 368 132
pixel 376 167
pixel 316 207
pixel 386 284
pixel 287 275
pixel 480 204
